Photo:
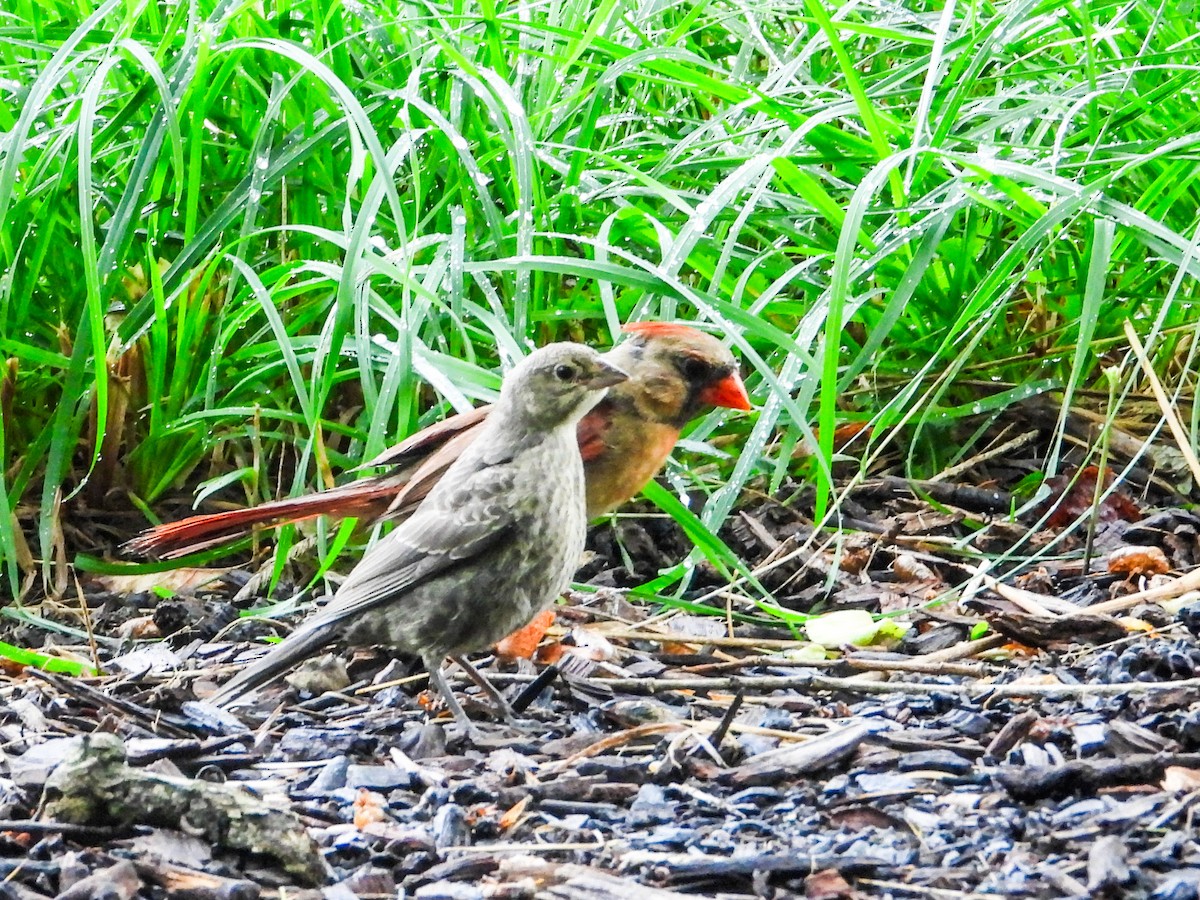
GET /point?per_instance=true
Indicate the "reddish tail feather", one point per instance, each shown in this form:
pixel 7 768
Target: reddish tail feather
pixel 197 533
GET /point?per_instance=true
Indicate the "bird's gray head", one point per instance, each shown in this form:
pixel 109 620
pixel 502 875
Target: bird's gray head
pixel 557 385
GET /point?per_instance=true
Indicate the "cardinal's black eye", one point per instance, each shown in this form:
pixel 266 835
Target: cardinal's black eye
pixel 564 372
pixel 694 369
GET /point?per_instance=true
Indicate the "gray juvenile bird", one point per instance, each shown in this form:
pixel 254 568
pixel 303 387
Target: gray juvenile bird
pixel 494 543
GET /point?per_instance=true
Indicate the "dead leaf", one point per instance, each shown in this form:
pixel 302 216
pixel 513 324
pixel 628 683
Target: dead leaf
pixel 1178 778
pixel 1138 561
pixel 186 580
pixel 368 809
pixel 139 628
pixel 320 675
pixel 549 654
pixel 842 435
pixel 590 644
pixel 514 813
pixel 908 568
pixel 854 559
pixel 858 818
pixel 674 648
pixel 1043 678
pixel 1037 582
pixel 523 642
pixel 698 626
pixel 1072 497
pixel 1131 624
pixel 828 884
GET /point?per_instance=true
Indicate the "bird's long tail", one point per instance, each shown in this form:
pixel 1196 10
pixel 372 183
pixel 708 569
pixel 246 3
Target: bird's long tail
pixel 297 646
pixel 368 498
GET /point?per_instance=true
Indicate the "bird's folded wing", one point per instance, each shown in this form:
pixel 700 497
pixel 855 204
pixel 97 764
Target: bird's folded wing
pixel 591 432
pixel 454 529
pixel 428 473
pixel 414 448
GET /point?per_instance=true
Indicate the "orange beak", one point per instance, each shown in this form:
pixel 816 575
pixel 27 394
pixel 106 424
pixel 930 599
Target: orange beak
pixel 729 392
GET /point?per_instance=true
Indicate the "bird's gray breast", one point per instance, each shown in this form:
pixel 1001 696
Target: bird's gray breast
pixel 539 493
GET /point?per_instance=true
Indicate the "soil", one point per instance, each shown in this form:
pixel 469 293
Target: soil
pixel 1035 732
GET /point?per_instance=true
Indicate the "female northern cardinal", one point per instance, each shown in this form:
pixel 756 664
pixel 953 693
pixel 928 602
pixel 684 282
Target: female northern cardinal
pixel 675 373
pixel 494 542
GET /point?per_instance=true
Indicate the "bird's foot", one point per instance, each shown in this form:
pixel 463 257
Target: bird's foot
pixel 503 708
pixel 467 732
pixel 495 735
pixel 523 725
pixel 509 723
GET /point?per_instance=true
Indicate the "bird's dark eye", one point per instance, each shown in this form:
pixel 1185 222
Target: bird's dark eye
pixel 564 372
pixel 694 369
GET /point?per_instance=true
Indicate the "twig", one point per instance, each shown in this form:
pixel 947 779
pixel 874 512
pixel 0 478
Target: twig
pixel 967 649
pixel 535 687
pixel 526 848
pixel 153 720
pixel 67 829
pixel 722 729
pixel 1013 732
pixel 607 743
pixel 959 651
pixel 1031 783
pixel 1028 601
pixel 1164 402
pixel 1181 585
pixel 667 637
pixel 814 682
pixel 1000 450
pixel 86 615
pixel 919 665
pixel 654 728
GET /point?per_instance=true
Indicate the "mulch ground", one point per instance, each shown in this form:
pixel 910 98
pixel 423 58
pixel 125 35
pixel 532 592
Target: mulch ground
pixel 1054 753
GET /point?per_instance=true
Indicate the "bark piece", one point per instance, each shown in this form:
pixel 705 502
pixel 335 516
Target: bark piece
pixel 95 786
pixel 118 882
pixel 567 881
pixel 811 756
pixel 1030 783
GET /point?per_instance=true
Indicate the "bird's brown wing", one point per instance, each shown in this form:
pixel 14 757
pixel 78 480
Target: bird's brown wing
pixel 425 476
pixel 429 440
pixel 591 432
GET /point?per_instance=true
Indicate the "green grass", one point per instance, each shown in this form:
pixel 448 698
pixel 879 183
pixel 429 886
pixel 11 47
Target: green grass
pixel 243 239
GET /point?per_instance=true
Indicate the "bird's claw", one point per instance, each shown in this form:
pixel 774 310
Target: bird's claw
pixel 524 725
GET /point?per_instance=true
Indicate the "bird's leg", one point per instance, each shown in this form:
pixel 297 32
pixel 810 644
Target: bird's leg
pixel 502 705
pixel 438 680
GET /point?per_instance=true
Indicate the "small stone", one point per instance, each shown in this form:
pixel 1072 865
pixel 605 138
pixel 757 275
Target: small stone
pixel 332 777
pixel 377 778
pixel 448 890
pixel 319 676
pixel 450 827
pixel 33 767
pixel 937 760
pixel 1089 738
pixel 307 744
pixel 1182 885
pixel 885 783
pixel 650 807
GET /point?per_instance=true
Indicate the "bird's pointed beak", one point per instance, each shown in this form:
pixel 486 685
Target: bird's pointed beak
pixel 607 375
pixel 729 392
